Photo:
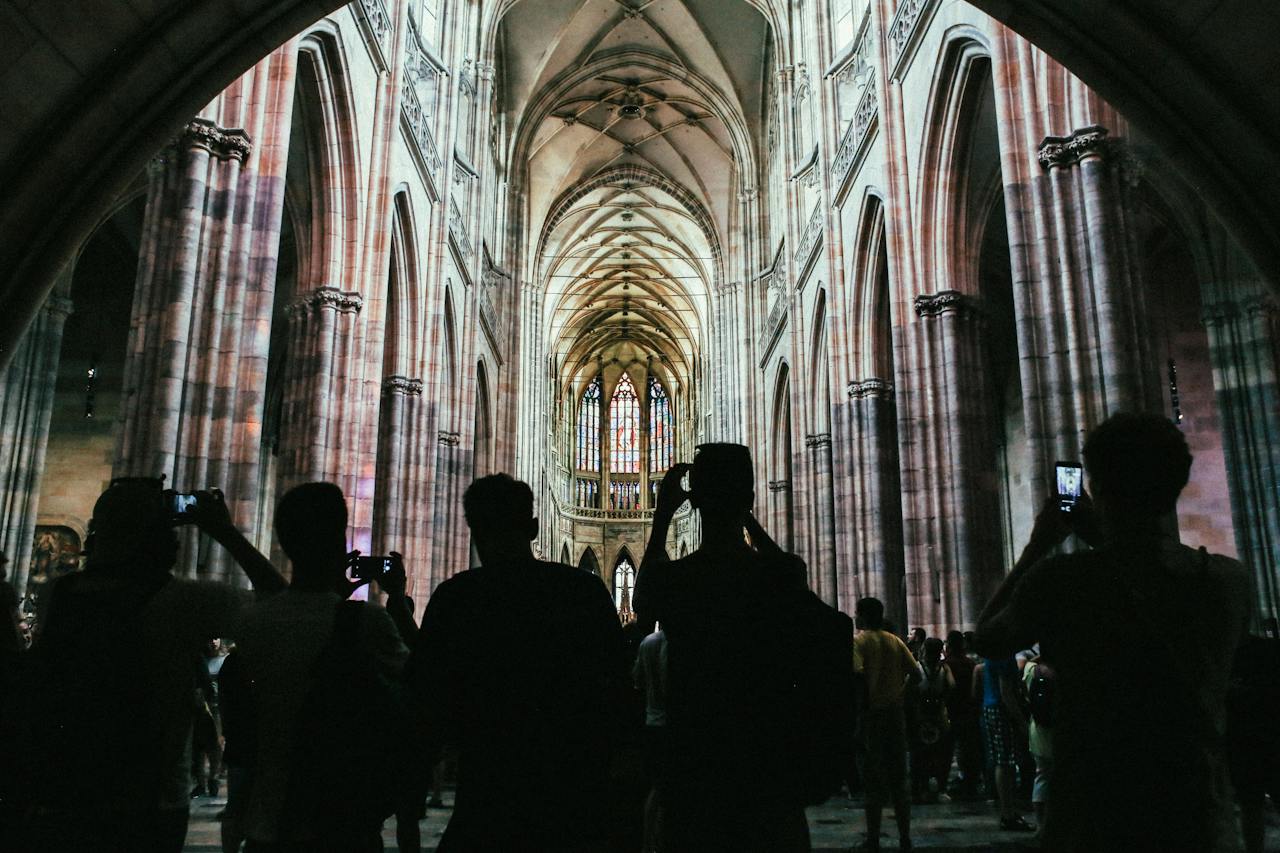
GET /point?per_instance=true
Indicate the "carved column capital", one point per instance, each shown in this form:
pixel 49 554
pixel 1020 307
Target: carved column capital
pixel 343 302
pixel 448 439
pixel 1091 141
pixel 944 302
pixel 59 306
pixel 225 143
pixel 881 389
pixel 779 486
pixel 1259 305
pixel 402 386
pixel 817 440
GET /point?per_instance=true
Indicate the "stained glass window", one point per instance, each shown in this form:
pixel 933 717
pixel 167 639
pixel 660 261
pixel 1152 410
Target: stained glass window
pixel 624 428
pixel 661 435
pixel 588 492
pixel 624 494
pixel 624 581
pixel 589 428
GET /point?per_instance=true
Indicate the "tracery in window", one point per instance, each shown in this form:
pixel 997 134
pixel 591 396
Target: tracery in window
pixel 624 428
pixel 661 435
pixel 588 456
pixel 624 581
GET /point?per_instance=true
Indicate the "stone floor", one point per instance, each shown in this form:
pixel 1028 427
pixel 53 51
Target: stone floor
pixel 836 825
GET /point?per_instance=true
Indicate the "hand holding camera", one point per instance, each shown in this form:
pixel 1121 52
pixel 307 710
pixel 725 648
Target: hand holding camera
pixel 671 493
pixel 206 509
pixel 387 571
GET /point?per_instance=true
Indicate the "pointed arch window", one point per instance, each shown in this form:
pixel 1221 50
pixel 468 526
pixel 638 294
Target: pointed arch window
pixel 624 582
pixel 624 428
pixel 588 455
pixel 661 434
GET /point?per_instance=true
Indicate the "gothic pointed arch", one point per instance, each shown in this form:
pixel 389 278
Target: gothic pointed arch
pixel 623 583
pixel 588 562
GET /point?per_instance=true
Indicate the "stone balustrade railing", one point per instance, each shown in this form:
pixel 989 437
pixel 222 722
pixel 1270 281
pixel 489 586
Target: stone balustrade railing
pixel 855 136
pixel 419 125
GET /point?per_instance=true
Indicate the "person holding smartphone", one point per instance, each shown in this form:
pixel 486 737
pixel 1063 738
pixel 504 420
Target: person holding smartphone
pixel 1139 758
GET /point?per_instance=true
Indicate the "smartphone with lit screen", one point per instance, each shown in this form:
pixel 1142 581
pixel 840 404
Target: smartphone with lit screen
pixel 1070 484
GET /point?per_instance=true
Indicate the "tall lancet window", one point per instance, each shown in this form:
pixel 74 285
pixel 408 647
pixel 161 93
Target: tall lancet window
pixel 624 428
pixel 624 584
pixel 661 435
pixel 589 428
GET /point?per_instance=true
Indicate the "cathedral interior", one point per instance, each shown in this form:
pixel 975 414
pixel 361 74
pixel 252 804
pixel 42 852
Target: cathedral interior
pixel 907 251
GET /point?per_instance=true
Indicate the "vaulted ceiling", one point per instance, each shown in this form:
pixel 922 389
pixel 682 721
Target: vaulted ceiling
pixel 636 121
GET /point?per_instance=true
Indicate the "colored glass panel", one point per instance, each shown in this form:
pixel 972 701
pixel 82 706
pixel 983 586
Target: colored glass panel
pixel 624 428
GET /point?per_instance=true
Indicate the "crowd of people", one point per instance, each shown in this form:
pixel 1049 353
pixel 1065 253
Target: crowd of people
pixel 1110 683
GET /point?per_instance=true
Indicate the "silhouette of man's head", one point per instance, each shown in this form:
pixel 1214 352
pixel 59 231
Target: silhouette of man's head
pixel 1138 464
pixel 499 511
pixel 132 527
pixel 722 484
pixel 311 523
pixel 956 643
pixel 869 614
pixel 932 649
pixel 918 635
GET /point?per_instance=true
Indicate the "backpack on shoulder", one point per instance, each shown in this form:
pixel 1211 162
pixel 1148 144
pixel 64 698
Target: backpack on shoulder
pixel 825 708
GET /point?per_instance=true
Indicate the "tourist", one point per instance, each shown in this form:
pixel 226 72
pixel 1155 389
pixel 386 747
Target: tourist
pixel 116 673
pixel 916 642
pixel 319 666
pixel 886 667
pixel 1039 681
pixel 732 780
pixel 1138 755
pixel 650 674
pixel 930 725
pixel 1002 718
pixel 520 664
pixel 964 710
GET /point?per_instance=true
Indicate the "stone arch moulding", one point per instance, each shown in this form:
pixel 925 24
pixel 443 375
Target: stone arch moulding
pixel 103 115
pixel 589 562
pixel 410 327
pixel 868 340
pixel 322 52
pixel 951 107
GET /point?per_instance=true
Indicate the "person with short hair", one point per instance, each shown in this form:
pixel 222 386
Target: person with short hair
pixel 117 657
pixel 1138 751
pixel 729 610
pixel 931 741
pixel 520 664
pixel 886 667
pixel 281 642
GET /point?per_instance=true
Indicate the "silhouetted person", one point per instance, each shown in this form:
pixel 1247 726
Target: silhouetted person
pixel 886 666
pixel 963 710
pixel 931 726
pixel 519 663
pixel 116 660
pixel 731 782
pixel 302 651
pixel 1139 761
pixel 1253 738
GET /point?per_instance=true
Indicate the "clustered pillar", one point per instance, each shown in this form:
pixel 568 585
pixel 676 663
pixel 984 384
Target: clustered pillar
pixel 26 406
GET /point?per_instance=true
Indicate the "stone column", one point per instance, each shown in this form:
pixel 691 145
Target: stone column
pixel 26 406
pixel 393 507
pixel 959 505
pixel 196 364
pixel 1244 346
pixel 822 572
pixel 320 369
pixel 876 556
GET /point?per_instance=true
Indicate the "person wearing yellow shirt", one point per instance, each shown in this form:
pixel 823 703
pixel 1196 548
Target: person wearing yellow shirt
pixel 885 666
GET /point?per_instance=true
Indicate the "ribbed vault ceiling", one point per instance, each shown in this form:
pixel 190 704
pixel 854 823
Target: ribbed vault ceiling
pixel 634 121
